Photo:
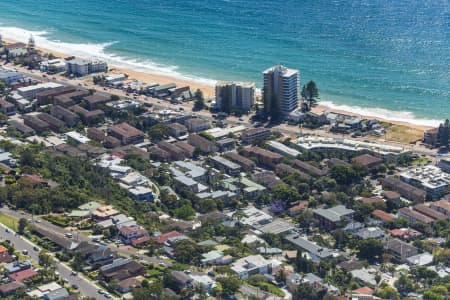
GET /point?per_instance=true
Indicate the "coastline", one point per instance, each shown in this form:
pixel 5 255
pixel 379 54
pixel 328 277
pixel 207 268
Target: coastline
pixel 209 90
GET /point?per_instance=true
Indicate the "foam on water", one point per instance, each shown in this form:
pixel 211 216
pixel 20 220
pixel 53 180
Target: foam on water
pixel 399 116
pixel 88 50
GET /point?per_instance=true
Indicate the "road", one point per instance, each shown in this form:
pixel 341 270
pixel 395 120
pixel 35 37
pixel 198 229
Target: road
pixel 85 286
pixel 80 237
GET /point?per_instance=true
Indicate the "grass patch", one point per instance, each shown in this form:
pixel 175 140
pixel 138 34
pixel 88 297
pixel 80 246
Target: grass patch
pixel 403 134
pixel 9 221
pixel 58 220
pixel 268 287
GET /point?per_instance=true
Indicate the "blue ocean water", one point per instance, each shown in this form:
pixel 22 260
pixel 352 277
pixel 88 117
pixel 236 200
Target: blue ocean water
pixel 379 57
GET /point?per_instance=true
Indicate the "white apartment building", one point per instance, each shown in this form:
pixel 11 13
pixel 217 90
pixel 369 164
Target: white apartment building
pixel 235 95
pixel 281 85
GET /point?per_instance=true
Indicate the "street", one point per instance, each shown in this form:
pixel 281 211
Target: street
pixel 85 286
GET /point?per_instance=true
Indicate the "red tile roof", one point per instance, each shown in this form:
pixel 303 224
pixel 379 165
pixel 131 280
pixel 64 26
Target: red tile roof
pixel 364 290
pixel 22 275
pixel 140 240
pixel 383 215
pixel 168 235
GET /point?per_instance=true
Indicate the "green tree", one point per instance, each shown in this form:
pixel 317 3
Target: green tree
pixel 388 292
pixel 185 212
pixel 158 132
pixel 343 175
pixel 22 225
pixel 230 284
pixel 370 249
pixel 199 103
pixel 404 285
pixel 310 93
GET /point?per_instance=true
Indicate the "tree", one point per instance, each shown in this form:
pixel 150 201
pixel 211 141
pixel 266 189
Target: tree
pixel 344 175
pixel 187 252
pixel 31 42
pixel 158 132
pixel 185 212
pixel 310 93
pixel 404 285
pixel 230 284
pixel 388 292
pixel 46 261
pixel 199 103
pixel 370 249
pixel 22 225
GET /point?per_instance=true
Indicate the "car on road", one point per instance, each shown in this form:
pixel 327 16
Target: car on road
pixel 74 273
pixel 36 249
pixel 240 119
pixel 69 235
pixel 75 287
pixel 7 230
pixel 101 292
pixel 38 221
pixel 25 252
pixel 107 296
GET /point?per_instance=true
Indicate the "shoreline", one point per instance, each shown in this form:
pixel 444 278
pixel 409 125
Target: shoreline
pixel 209 90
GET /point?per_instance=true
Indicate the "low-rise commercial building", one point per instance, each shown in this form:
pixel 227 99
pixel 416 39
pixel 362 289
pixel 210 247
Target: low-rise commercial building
pixel 431 178
pixel 405 190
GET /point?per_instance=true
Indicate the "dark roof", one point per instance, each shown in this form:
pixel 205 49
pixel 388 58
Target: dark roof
pixel 56 238
pixel 125 129
pixel 367 160
pixel 308 168
pixel 10 287
pixel 350 265
pixel 429 212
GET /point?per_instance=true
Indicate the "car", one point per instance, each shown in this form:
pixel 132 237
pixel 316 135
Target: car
pixel 7 230
pixel 101 292
pixel 38 221
pixel 107 296
pixel 25 252
pixel 75 287
pixel 74 273
pixel 36 248
pixel 8 241
pixel 240 119
pixel 180 108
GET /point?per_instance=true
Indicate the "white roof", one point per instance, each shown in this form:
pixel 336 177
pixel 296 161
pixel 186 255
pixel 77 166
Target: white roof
pixel 46 85
pixel 78 137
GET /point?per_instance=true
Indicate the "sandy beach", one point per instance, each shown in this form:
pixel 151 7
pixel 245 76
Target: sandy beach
pixel 209 90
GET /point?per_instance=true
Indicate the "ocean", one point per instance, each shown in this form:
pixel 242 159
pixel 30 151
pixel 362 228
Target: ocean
pixel 382 58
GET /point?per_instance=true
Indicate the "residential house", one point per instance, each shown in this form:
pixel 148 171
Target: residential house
pixel 442 206
pixel 196 125
pixel 404 189
pixel 400 249
pixel 202 143
pixel 250 136
pixel 253 264
pixel 262 156
pixel 246 164
pixel 367 160
pixel 177 130
pixel 7 108
pixel 126 133
pixel 70 118
pixel 334 217
pixel 221 163
pixel 413 216
pixel 134 235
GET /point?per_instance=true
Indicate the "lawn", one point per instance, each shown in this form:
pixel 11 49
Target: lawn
pixel 403 134
pixel 9 221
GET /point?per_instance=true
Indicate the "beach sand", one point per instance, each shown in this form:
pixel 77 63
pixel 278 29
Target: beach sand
pixel 414 130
